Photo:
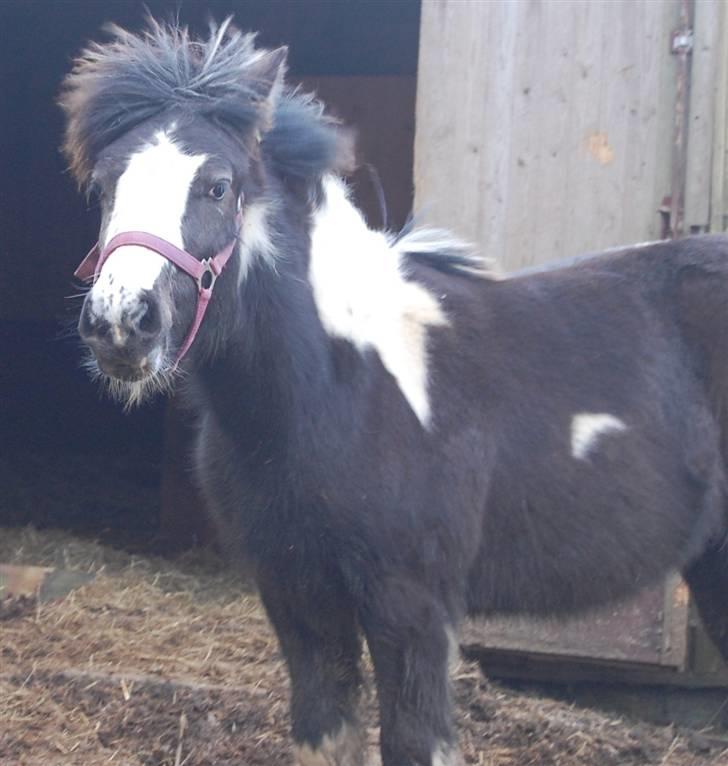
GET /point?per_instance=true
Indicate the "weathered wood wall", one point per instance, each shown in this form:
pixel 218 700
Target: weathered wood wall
pixel 545 128
pixel 704 207
pixel 719 155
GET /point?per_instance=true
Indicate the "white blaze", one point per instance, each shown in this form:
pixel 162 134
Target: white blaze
pixel 151 195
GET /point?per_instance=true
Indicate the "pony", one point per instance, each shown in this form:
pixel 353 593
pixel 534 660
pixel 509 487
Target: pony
pixel 391 433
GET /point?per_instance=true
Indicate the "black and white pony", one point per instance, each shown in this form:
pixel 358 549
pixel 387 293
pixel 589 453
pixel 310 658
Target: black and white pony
pixel 391 434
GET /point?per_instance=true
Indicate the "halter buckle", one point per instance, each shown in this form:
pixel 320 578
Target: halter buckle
pixel 208 275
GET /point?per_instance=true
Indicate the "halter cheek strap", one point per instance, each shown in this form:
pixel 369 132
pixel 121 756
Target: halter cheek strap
pixel 205 272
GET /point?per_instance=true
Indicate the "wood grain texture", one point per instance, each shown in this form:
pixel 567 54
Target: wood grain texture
pixel 704 85
pixel 544 129
pixel 719 197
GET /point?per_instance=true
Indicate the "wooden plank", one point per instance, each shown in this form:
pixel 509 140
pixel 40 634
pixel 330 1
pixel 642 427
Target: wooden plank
pixel 536 666
pixel 658 695
pixel 675 623
pixel 703 94
pixel 45 583
pixel 449 115
pixel 552 75
pixel 525 144
pixel 488 135
pixel 18 581
pixel 587 153
pixel 631 631
pixel 648 73
pixel 719 198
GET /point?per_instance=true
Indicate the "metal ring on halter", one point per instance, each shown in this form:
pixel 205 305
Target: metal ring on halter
pixel 207 270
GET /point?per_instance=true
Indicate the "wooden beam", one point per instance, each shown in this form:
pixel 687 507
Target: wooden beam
pixel 704 89
pixel 718 209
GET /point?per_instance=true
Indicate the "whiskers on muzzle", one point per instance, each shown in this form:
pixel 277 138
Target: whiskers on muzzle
pixel 133 393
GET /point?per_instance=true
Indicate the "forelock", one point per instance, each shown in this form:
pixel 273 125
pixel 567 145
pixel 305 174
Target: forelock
pixel 119 84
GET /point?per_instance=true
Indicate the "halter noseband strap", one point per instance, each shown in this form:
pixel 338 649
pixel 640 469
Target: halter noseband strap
pixel 205 272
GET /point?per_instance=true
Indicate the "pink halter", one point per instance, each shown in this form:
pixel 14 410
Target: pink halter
pixel 204 272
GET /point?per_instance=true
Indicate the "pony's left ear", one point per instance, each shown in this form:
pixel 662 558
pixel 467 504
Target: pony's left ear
pixel 267 74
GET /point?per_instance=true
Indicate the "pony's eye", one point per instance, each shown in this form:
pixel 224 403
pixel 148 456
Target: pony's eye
pixel 218 191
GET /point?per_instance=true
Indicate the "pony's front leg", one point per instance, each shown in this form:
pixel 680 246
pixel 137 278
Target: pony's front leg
pixel 320 642
pixel 408 634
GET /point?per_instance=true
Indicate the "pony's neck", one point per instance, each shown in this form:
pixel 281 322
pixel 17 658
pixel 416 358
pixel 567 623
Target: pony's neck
pixel 312 314
pixel 274 372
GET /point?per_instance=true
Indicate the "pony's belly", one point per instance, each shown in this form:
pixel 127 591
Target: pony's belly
pixel 553 546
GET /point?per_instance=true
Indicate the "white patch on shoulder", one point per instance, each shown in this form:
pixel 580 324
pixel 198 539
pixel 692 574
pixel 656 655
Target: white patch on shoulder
pixel 345 748
pixel 151 195
pixel 255 238
pixel 363 296
pixel 587 427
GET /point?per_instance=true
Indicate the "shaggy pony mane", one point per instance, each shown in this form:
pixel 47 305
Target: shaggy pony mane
pixel 116 85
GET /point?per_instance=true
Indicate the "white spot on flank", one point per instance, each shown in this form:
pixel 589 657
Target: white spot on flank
pixel 345 748
pixel 587 427
pixel 362 295
pixel 151 195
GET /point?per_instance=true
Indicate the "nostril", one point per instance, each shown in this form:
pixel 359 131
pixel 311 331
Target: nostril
pixel 149 320
pixel 91 326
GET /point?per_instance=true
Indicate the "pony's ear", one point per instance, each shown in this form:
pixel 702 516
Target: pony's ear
pixel 267 74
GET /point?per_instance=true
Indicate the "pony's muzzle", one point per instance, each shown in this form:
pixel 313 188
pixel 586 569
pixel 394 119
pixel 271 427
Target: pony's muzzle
pixel 127 345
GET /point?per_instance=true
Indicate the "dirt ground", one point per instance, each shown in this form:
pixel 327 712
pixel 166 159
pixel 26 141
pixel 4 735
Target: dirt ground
pixel 171 663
